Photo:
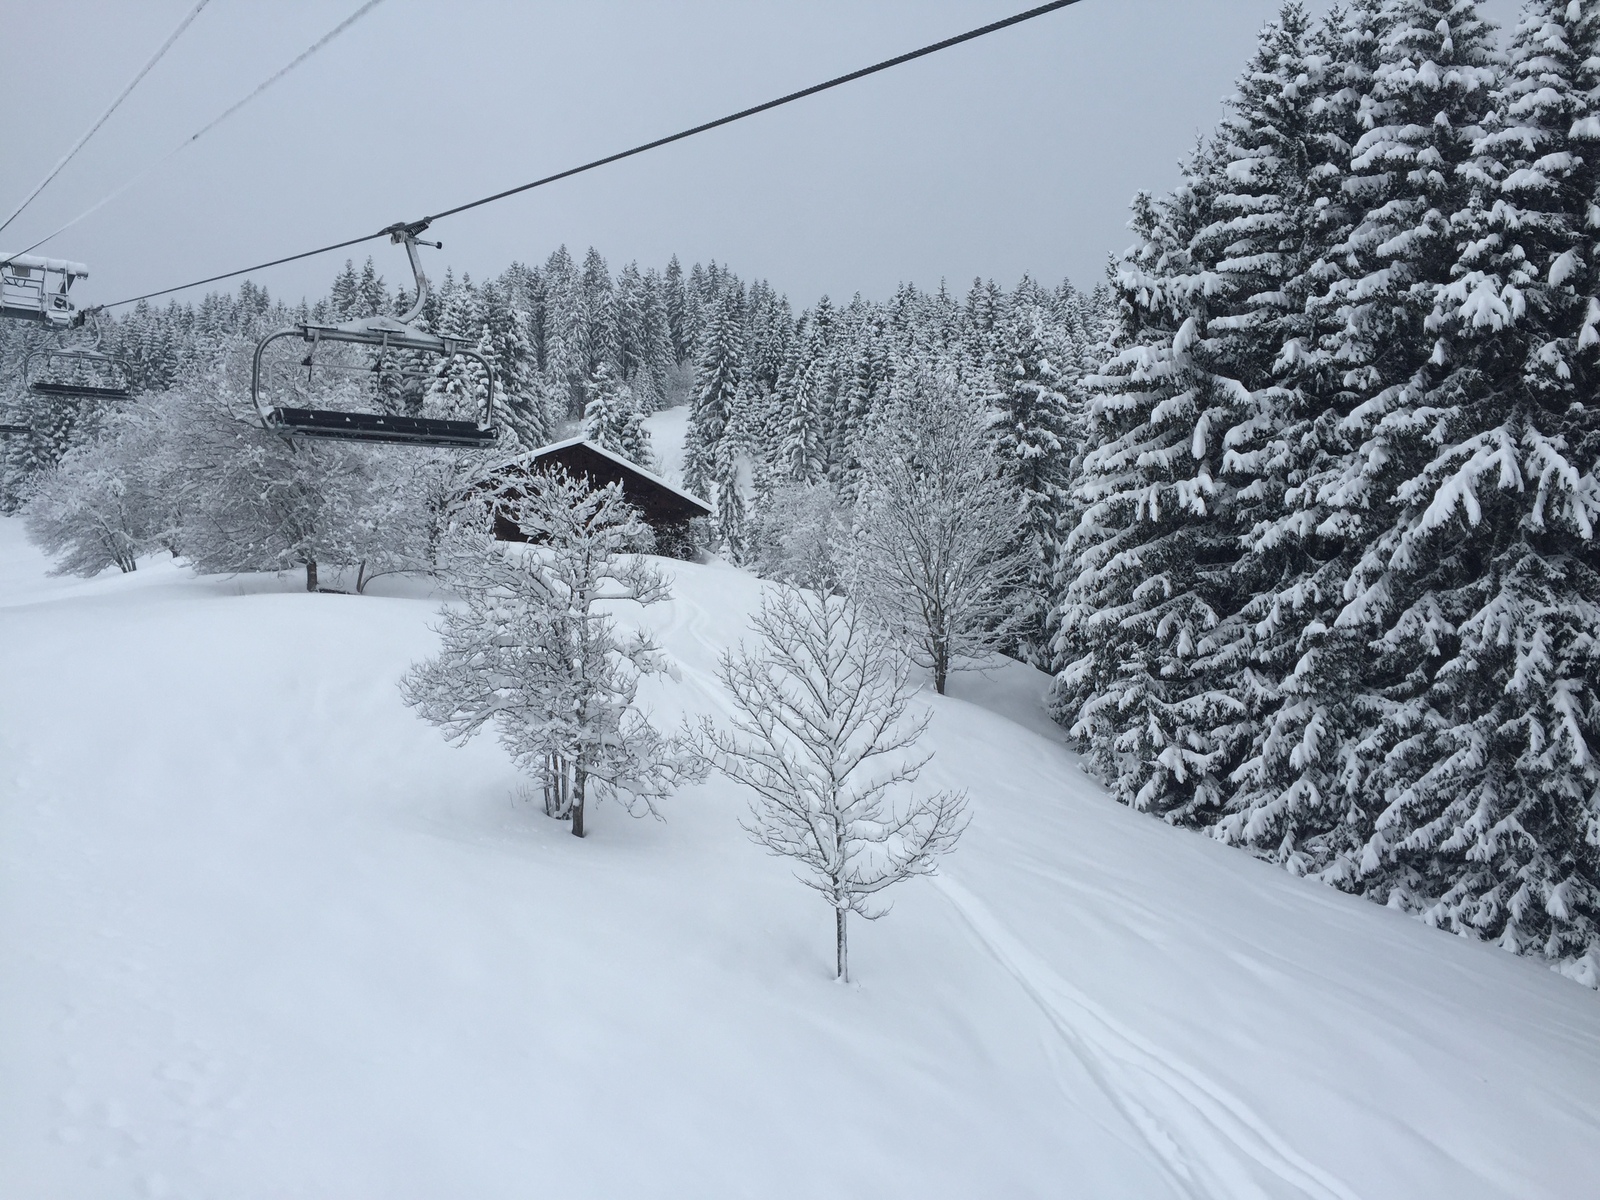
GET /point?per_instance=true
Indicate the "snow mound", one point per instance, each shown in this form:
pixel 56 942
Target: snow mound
pixel 265 934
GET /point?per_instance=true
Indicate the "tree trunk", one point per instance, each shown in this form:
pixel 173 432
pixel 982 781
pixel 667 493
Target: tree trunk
pixel 311 575
pixel 841 945
pixel 577 803
pixel 557 788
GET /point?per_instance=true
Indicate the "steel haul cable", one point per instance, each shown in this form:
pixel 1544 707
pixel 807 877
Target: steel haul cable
pixel 837 81
pixel 79 144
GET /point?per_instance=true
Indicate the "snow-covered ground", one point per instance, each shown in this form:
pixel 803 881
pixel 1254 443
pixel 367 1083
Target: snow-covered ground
pixel 263 934
pixel 667 429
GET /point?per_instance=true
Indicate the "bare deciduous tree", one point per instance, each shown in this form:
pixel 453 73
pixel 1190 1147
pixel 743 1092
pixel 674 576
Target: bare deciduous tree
pixel 939 554
pixel 821 736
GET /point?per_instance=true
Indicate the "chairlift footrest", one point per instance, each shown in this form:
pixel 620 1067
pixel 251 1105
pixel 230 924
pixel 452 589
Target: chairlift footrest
pixel 332 425
pixel 81 391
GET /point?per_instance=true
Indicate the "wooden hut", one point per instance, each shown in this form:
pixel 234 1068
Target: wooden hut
pixel 667 509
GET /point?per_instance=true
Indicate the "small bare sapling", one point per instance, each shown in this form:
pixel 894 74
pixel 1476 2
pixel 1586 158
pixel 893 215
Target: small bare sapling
pixel 820 735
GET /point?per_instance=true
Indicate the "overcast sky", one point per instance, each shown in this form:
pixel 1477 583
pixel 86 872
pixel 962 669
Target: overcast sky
pixel 1017 153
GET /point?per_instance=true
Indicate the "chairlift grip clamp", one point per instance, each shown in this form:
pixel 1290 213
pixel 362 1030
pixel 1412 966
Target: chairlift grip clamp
pixel 407 231
pixel 83 315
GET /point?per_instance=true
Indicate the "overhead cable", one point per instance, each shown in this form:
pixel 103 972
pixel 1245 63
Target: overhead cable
pixel 79 144
pixel 235 107
pixel 837 81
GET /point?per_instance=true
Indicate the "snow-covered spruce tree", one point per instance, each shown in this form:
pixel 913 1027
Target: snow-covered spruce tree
pixel 1284 148
pixel 717 377
pixel 1161 676
pixel 629 315
pixel 986 308
pixel 769 331
pixel 729 469
pixel 354 295
pixel 936 553
pixel 1483 590
pixel 819 361
pixel 865 379
pixel 644 339
pixel 680 326
pixel 600 334
pixel 534 650
pixel 802 450
pixel 820 734
pixel 458 387
pixel 1419 80
pixel 520 397
pixel 1037 432
pixel 1134 596
pixel 372 297
pixel 1296 800
pixel 612 419
pixel 566 333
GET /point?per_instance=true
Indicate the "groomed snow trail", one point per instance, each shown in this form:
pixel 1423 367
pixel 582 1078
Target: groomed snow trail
pixel 1214 1145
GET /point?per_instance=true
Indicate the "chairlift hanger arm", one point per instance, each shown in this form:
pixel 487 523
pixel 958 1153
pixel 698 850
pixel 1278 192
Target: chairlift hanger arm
pixel 406 233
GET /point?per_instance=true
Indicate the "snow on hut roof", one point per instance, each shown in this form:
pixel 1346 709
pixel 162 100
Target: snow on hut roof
pixel 628 463
pixel 45 264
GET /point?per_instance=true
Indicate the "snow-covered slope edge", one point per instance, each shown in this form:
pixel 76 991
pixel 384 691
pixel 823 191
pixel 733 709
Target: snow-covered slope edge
pixel 264 934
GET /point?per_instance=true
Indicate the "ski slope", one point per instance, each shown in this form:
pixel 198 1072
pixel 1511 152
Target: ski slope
pixel 263 934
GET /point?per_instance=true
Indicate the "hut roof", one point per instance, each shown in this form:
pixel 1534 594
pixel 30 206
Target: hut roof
pixel 658 501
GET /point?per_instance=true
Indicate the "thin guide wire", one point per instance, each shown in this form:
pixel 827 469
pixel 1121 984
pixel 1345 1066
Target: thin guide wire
pixel 195 137
pixel 115 104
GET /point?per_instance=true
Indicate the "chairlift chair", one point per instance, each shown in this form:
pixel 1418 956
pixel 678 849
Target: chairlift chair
pixel 7 429
pixel 65 367
pixel 386 335
pixel 38 289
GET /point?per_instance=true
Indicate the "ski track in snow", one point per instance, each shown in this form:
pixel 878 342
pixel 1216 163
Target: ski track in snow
pixel 1207 1138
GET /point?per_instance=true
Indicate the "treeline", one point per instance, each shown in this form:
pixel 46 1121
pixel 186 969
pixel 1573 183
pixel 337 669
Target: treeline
pixel 781 404
pixel 555 335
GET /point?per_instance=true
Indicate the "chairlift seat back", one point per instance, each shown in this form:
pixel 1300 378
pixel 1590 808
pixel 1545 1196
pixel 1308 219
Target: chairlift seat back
pixel 37 289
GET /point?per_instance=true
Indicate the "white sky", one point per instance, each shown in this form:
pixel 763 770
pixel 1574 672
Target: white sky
pixel 1016 153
